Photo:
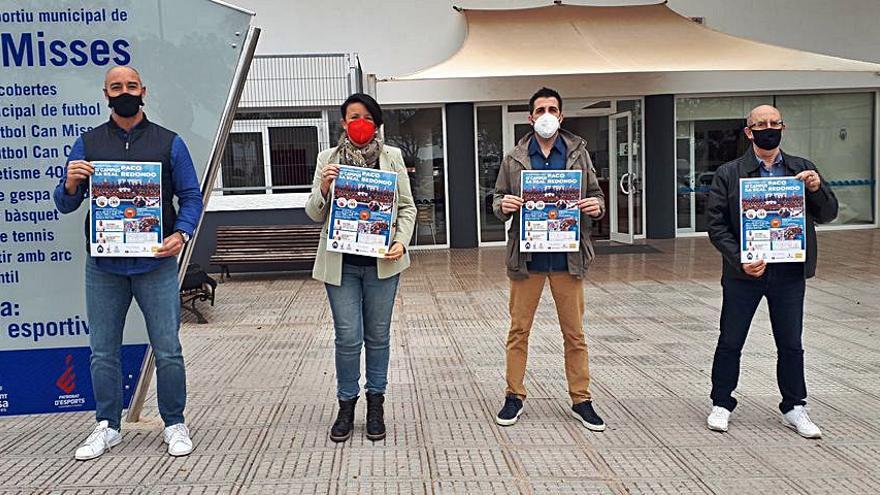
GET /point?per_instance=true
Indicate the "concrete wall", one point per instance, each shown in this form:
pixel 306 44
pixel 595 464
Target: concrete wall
pixel 846 28
pixel 397 37
pixel 394 37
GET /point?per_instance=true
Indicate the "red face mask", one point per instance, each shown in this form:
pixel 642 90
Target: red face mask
pixel 361 131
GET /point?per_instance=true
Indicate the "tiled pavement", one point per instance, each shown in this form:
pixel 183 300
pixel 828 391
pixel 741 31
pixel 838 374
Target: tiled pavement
pixel 261 391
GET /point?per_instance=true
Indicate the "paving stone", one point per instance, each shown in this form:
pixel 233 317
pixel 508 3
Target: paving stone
pixel 469 433
pixel 378 465
pixel 190 489
pixel 358 487
pixel 298 487
pixel 470 463
pixel 715 462
pixel 539 434
pixel 298 465
pixel 31 473
pixel 841 486
pixel 466 487
pixel 535 462
pixel 649 463
pixel 570 486
pixel 683 486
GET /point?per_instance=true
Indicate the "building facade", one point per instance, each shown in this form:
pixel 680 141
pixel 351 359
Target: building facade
pixel 656 139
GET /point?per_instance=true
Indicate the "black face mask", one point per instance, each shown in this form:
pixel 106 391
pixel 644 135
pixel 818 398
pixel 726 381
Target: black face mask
pixel 767 139
pixel 126 105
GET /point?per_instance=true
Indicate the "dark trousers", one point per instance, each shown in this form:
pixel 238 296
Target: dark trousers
pixel 783 285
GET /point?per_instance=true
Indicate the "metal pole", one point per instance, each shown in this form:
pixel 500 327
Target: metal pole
pixel 226 119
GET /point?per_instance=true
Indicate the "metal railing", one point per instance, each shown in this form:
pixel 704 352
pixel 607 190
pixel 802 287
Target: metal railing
pixel 302 80
pixel 285 108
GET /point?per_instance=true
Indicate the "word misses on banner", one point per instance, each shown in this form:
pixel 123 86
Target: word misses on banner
pixel 54 55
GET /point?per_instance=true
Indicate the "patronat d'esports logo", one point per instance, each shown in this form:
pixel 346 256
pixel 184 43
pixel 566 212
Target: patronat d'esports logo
pixel 67 383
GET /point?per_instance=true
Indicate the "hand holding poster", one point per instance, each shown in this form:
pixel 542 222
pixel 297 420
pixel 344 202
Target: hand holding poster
pixel 550 220
pixel 361 212
pixel 773 225
pixel 126 209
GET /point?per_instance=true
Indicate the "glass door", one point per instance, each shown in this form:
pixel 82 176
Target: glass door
pixel 622 184
pixel 594 130
pixel 685 178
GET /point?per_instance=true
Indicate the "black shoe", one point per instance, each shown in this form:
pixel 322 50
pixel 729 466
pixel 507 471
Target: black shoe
pixel 375 417
pixel 341 430
pixel 513 407
pixel 584 413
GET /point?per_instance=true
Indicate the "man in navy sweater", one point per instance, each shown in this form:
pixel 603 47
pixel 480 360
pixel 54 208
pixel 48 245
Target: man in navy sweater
pixel 111 283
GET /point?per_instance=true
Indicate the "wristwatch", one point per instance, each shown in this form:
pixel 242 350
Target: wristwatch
pixel 186 237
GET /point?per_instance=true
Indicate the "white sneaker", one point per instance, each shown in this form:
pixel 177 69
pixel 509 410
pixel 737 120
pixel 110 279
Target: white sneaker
pixel 178 440
pixel 797 419
pixel 101 440
pixel 718 419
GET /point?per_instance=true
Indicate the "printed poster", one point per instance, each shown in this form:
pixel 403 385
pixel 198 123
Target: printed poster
pixel 550 220
pixel 126 209
pixel 772 218
pixel 361 211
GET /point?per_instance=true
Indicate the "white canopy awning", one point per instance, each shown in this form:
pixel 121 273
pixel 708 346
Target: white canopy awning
pixel 570 39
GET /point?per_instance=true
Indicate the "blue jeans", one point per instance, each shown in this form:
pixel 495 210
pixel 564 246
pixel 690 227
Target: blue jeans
pixel 783 285
pixel 362 308
pixel 108 297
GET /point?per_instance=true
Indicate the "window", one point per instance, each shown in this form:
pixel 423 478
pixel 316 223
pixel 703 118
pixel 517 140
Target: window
pixel 272 156
pixel 709 133
pixel 242 164
pixel 418 132
pixel 490 152
pixel 834 131
pixel 294 151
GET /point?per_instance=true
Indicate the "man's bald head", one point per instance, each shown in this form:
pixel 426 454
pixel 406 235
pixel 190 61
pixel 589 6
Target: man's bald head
pixel 763 113
pixel 764 127
pixel 123 73
pixel 123 79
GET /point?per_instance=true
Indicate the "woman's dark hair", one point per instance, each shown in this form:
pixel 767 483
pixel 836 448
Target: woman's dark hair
pixel 367 101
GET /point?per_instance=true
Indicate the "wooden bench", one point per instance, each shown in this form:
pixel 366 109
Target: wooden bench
pixel 265 244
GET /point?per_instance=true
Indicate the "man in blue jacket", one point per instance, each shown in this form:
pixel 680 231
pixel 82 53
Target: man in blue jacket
pixel 745 284
pixel 152 282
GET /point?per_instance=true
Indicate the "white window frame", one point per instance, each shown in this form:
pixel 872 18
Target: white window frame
pixel 268 200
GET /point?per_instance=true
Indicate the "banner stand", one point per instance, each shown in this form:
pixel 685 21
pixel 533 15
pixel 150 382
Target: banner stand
pixel 241 71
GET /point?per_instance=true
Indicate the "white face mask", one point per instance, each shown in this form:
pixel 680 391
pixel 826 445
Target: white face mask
pixel 547 125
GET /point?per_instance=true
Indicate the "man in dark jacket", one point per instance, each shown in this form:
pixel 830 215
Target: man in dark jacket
pixel 783 284
pixel 111 282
